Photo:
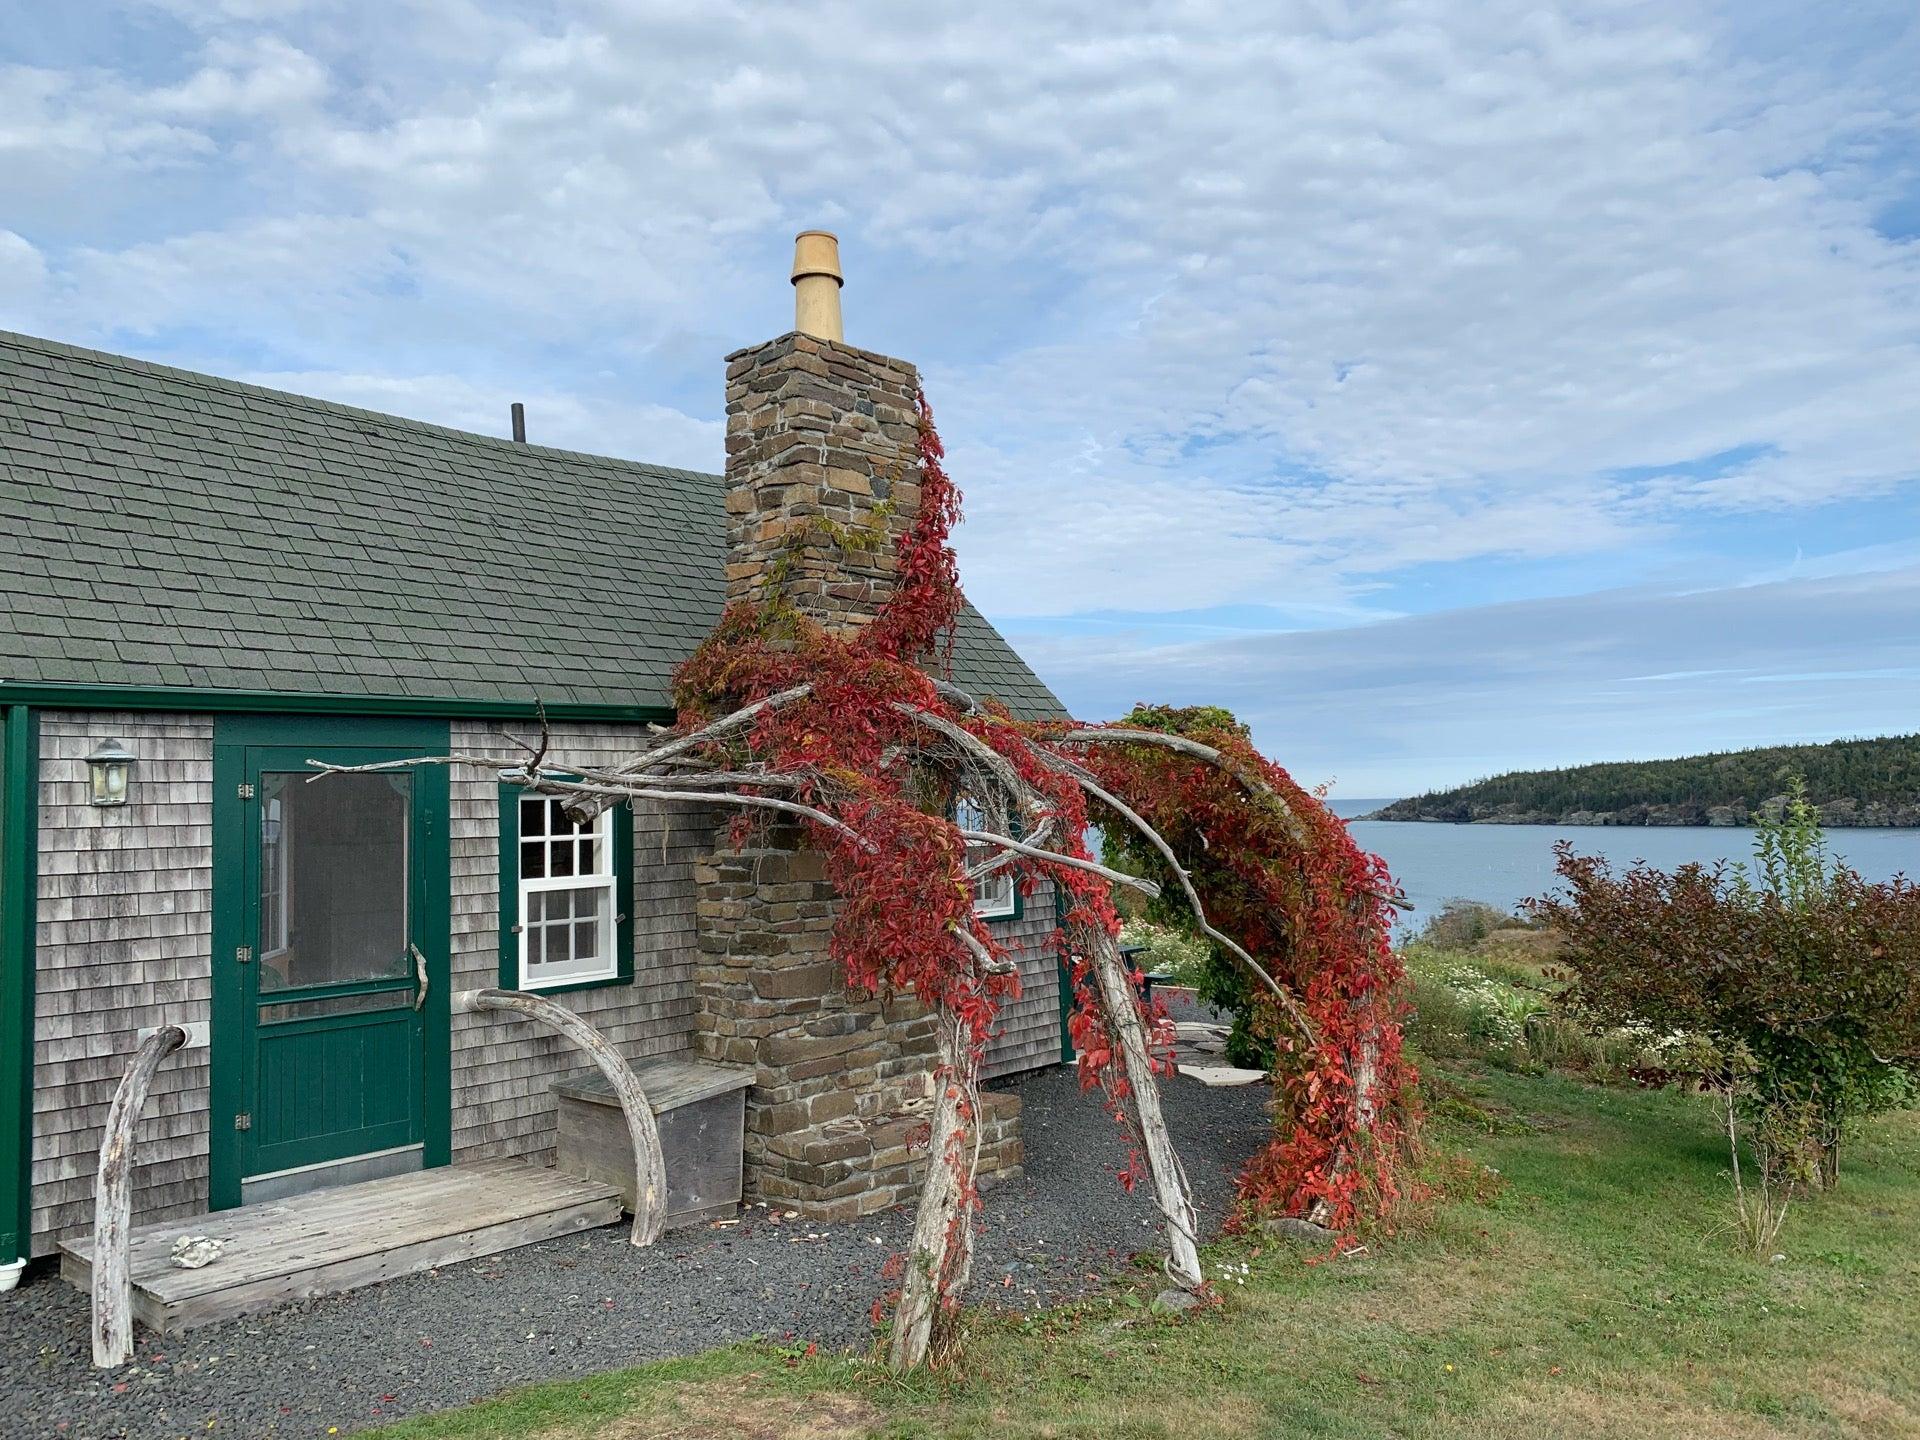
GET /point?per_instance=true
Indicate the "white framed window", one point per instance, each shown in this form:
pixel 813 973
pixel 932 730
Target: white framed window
pixel 568 889
pixel 995 896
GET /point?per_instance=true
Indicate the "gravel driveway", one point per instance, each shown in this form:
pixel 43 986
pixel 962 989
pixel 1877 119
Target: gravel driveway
pixel 592 1302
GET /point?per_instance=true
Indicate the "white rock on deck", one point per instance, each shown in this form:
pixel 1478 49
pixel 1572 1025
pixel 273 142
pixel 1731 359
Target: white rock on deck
pixel 340 1239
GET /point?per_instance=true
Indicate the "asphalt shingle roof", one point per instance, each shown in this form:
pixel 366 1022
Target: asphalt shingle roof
pixel 164 528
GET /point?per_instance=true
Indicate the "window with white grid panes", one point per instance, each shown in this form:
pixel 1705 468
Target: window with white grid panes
pixel 567 894
pixel 994 896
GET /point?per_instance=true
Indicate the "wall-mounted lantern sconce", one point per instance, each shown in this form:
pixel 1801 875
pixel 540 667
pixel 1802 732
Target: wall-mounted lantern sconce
pixel 107 769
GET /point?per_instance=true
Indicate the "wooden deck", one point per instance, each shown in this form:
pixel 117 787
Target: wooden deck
pixel 333 1240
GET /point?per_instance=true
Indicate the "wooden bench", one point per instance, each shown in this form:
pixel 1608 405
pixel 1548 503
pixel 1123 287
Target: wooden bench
pixel 700 1108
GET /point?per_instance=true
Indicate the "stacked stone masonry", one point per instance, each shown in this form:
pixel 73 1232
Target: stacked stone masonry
pixel 823 479
pixel 842 1085
pixel 822 475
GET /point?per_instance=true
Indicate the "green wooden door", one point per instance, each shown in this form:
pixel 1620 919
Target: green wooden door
pixel 330 1035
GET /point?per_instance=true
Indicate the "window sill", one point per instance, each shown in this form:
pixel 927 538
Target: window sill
pixel 566 987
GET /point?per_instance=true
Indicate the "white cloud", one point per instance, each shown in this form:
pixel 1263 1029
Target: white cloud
pixel 1217 306
pixel 23 269
pixel 81 127
pixel 1442 698
pixel 258 77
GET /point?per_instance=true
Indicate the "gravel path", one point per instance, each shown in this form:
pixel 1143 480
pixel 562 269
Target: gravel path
pixel 592 1302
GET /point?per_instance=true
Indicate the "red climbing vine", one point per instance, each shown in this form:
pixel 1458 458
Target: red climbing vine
pixel 1267 865
pixel 853 742
pixel 1279 873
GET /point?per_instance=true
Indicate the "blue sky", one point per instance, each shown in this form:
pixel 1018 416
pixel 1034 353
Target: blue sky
pixel 1448 387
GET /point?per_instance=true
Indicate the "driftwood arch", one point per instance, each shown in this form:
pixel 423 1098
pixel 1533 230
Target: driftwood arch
pixel 649 1161
pixel 704 766
pixel 111 1286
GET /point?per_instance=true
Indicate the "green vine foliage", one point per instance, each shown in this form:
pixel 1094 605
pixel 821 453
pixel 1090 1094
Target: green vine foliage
pixel 1790 856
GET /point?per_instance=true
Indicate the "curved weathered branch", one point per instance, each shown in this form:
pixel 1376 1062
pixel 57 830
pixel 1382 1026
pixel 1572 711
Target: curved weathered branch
pixel 1121 735
pixel 940 1253
pixel 1194 749
pixel 112 1280
pixel 1004 858
pixel 1054 857
pixel 981 753
pixel 649 1162
pixel 1120 1004
pixel 726 724
pixel 1288 1002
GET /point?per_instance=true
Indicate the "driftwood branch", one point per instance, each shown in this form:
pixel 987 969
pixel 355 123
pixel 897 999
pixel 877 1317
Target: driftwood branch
pixel 643 790
pixel 1054 857
pixel 113 1201
pixel 961 700
pixel 983 755
pixel 1119 735
pixel 981 957
pixel 1194 749
pixel 1003 858
pixel 1119 1003
pixel 649 1161
pixel 601 794
pixel 1295 1011
pixel 725 725
pixel 940 1252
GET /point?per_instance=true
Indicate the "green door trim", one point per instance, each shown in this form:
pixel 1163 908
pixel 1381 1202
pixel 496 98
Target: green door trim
pixel 431 896
pixel 19 898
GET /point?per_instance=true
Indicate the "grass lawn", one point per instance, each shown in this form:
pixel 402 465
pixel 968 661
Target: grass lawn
pixel 1588 1289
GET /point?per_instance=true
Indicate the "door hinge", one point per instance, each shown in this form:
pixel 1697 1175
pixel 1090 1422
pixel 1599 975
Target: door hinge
pixel 243 1121
pixel 246 790
pixel 243 953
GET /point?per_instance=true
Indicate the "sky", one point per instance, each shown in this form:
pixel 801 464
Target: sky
pixel 1447 387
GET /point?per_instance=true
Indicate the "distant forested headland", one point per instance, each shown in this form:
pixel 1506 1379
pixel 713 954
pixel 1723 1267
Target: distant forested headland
pixel 1854 782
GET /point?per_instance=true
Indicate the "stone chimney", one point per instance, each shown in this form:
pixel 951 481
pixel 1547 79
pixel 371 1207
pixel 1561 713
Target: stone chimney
pixel 822 458
pixel 822 478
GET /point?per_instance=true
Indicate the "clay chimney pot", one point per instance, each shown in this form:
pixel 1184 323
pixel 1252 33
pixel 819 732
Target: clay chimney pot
pixel 816 284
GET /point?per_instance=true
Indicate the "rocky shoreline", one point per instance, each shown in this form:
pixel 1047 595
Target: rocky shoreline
pixel 1834 814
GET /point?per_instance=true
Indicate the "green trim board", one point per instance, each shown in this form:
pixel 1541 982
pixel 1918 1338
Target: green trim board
pixel 19 887
pixel 244 746
pixel 621 824
pixel 270 702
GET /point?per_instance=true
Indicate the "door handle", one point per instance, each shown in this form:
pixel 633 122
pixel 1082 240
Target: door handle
pixel 420 973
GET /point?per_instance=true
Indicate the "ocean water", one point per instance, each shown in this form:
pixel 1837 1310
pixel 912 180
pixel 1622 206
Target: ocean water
pixel 1505 864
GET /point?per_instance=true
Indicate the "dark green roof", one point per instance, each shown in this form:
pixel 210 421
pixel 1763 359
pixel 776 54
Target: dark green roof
pixel 160 528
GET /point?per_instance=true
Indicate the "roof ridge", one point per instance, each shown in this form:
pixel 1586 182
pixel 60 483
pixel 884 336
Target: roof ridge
pixel 208 380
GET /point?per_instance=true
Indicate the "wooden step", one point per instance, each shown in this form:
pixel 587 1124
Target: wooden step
pixel 327 1241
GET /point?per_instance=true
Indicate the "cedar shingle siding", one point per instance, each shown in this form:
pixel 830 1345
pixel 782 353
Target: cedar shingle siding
pixel 125 906
pixel 502 1066
pixel 1028 1036
pixel 124 938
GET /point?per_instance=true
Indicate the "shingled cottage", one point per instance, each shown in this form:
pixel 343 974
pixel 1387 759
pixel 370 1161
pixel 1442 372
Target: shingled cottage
pixel 206 586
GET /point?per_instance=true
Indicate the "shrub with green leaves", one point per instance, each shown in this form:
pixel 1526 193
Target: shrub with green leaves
pixel 1796 967
pixel 1177 954
pixel 1462 924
